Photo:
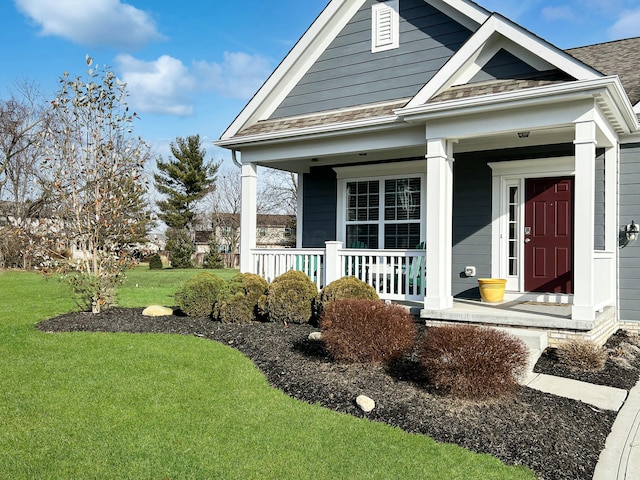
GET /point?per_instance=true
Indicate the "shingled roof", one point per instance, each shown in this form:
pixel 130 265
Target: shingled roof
pixel 621 58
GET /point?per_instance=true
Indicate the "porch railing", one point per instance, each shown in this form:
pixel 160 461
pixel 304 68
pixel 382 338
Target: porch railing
pixel 395 274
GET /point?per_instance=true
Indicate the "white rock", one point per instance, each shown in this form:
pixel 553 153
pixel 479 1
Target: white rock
pixel 315 336
pixel 365 403
pixel 157 311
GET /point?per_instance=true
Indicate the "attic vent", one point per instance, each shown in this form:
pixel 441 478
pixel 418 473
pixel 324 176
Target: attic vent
pixel 385 26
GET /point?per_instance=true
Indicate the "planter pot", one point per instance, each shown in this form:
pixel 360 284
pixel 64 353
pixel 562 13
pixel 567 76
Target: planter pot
pixel 492 289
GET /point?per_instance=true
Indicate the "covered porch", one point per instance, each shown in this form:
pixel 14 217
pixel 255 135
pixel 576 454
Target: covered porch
pixel 468 169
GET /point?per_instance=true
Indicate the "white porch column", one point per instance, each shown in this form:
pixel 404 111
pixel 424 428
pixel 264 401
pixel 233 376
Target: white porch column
pixel 583 221
pixel 248 216
pixel 439 195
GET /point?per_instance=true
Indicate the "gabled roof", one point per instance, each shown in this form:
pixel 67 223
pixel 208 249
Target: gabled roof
pixel 621 57
pixel 491 37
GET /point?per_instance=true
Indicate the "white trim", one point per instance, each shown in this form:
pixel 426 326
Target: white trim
pixel 468 14
pixel 379 173
pixel 385 26
pixel 301 57
pixel 380 170
pixel 510 173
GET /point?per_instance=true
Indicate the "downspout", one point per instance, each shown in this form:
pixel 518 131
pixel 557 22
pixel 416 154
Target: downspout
pixel 234 158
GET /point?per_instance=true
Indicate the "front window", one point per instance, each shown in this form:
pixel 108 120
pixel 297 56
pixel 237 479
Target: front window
pixel 383 213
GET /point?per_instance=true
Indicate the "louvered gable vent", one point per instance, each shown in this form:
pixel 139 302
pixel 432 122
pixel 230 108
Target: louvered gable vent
pixel 385 22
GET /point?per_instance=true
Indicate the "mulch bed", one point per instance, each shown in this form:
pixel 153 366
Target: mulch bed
pixel 556 437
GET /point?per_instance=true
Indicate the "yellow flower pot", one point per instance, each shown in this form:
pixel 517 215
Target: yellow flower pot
pixel 492 289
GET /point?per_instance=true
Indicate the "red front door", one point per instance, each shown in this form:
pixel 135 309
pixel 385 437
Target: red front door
pixel 548 235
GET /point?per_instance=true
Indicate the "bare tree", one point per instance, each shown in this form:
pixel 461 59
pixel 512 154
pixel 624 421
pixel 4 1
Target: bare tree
pixel 278 193
pixel 95 167
pixel 23 118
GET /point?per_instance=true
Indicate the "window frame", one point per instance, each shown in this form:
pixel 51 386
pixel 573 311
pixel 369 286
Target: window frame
pixel 405 170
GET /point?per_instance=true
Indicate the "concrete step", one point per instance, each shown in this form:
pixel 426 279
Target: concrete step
pixel 534 339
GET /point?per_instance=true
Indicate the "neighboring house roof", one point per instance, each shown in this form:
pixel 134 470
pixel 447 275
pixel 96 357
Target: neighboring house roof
pixel 621 57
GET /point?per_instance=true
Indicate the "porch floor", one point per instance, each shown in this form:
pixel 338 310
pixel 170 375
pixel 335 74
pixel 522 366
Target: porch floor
pixel 517 314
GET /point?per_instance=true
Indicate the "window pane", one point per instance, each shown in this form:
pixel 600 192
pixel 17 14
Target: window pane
pixel 362 236
pixel 403 236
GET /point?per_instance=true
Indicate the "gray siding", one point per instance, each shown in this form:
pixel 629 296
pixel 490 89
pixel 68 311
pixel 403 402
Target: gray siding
pixel 599 241
pixel 348 74
pixel 319 207
pixel 503 66
pixel 629 209
pixel 472 210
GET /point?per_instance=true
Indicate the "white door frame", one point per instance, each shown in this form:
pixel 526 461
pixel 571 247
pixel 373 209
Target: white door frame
pixel 513 174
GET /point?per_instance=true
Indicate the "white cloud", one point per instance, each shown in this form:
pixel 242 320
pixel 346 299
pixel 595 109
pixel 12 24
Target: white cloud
pixel 238 76
pixel 160 86
pixel 168 86
pixel 627 25
pixel 92 22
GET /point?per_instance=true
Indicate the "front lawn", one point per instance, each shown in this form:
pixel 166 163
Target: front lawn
pixel 98 405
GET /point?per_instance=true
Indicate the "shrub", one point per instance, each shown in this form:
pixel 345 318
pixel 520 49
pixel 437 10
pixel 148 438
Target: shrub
pixel 347 288
pixel 472 362
pixel 581 354
pixel 180 248
pixel 290 298
pixel 200 293
pixel 240 302
pixel 213 259
pixel 155 262
pixel 367 331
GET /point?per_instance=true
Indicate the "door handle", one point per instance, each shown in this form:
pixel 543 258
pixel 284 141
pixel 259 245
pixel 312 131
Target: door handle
pixel 527 240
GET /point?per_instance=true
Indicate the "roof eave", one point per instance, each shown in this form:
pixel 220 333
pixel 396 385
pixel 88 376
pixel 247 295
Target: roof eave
pixel 611 86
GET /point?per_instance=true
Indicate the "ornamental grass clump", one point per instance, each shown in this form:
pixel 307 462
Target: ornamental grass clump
pixel 367 331
pixel 290 298
pixel 471 362
pixel 240 301
pixel 200 294
pixel 581 354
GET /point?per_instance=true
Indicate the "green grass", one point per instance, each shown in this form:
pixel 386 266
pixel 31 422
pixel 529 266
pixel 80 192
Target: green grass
pixel 145 287
pixel 123 406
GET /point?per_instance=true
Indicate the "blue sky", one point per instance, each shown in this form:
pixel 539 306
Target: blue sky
pixel 191 66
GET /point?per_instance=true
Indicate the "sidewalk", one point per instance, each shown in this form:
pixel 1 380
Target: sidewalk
pixel 620 459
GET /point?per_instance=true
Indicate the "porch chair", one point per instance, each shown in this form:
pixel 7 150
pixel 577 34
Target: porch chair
pixel 310 268
pixel 355 269
pixel 416 271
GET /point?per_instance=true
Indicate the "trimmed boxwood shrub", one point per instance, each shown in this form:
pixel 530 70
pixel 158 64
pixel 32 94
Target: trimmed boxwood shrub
pixel 472 362
pixel 200 293
pixel 155 262
pixel 290 298
pixel 240 301
pixel 348 288
pixel 367 331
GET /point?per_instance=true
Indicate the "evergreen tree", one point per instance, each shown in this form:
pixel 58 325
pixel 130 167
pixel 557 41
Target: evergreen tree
pixel 180 248
pixel 184 181
pixel 213 258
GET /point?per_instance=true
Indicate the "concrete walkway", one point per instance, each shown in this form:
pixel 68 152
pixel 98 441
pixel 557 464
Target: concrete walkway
pixel 620 459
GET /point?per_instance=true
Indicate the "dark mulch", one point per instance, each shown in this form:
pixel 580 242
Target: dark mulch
pixel 556 437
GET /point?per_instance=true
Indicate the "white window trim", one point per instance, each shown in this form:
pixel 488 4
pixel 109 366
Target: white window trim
pixel 385 26
pixel 507 174
pixel 401 170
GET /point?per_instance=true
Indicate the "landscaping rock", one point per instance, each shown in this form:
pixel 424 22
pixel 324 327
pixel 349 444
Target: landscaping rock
pixel 365 403
pixel 157 311
pixel 315 336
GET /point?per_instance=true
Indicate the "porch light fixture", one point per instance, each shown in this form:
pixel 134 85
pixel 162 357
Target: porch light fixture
pixel 523 134
pixel 629 234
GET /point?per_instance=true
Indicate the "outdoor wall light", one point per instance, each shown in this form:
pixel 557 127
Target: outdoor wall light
pixel 629 234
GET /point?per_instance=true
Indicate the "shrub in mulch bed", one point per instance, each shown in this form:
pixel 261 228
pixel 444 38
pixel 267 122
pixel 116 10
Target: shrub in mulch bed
pixel 580 354
pixel 472 362
pixel 290 298
pixel 367 331
pixel 620 369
